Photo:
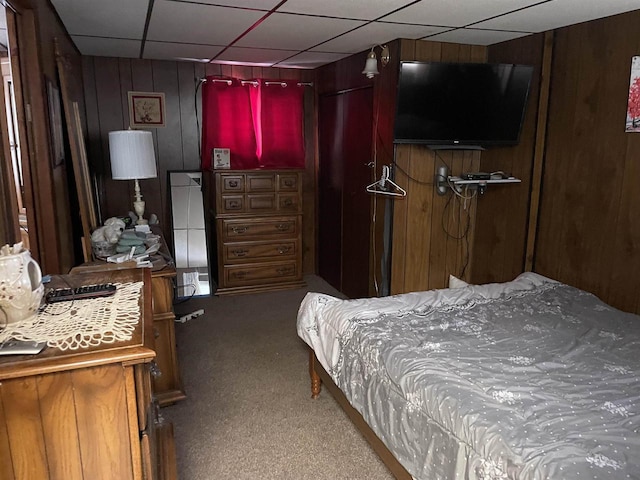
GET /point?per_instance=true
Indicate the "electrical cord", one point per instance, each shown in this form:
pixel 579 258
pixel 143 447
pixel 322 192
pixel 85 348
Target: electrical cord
pixel 460 236
pixel 186 299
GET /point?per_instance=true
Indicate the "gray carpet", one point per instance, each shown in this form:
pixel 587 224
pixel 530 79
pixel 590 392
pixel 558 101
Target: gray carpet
pixel 249 412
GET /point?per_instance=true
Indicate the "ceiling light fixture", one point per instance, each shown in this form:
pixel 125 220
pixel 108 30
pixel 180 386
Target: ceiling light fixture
pixel 371 66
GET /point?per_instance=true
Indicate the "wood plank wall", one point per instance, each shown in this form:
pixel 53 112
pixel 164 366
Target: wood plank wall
pixel 503 211
pixel 589 227
pixel 106 83
pixel 423 255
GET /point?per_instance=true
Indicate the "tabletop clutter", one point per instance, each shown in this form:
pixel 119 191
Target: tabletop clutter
pixel 115 243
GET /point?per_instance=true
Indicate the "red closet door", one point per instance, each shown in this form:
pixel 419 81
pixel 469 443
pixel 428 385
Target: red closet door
pixel 330 190
pixel 345 126
pixel 356 202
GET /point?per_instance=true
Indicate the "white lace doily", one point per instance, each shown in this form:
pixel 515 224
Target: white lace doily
pixel 76 324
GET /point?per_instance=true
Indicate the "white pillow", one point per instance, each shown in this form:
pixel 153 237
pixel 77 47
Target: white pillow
pixel 455 282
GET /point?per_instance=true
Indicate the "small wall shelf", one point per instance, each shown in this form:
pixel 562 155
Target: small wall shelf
pixel 445 182
pixel 461 181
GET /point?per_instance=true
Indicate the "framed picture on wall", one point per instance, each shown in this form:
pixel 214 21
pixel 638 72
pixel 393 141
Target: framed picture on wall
pixel 633 104
pixel 146 109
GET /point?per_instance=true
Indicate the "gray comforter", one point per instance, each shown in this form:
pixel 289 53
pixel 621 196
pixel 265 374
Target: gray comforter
pixel 535 384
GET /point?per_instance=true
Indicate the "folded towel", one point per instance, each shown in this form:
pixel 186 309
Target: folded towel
pixel 130 241
pixel 127 248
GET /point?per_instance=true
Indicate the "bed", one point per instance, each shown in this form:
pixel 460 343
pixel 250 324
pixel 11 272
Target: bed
pixel 529 379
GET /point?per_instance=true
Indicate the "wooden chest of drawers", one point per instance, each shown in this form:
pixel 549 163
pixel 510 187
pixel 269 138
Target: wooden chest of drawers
pixel 89 413
pixel 258 229
pixel 167 381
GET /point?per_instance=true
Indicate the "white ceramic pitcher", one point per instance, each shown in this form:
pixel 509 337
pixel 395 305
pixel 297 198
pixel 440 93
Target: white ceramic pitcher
pixel 21 286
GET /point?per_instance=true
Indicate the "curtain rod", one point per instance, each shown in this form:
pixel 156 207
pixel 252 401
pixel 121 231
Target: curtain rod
pixel 229 81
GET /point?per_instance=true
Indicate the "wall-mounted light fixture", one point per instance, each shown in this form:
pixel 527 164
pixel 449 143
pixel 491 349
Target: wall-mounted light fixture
pixel 371 66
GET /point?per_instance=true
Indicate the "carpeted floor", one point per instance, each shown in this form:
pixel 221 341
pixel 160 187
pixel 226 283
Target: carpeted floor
pixel 249 412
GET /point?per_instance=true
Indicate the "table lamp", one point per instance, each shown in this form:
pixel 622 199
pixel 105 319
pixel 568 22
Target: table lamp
pixel 133 158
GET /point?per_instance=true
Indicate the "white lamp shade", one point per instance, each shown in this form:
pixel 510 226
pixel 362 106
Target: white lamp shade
pixel 132 155
pixel 371 65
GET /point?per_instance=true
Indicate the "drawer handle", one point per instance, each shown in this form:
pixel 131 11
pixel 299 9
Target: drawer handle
pixel 239 230
pixel 283 227
pixel 234 183
pixel 239 275
pixel 287 202
pixel 284 271
pixel 283 249
pixel 155 370
pixel 289 183
pixel 239 252
pixel 156 332
pixel 233 204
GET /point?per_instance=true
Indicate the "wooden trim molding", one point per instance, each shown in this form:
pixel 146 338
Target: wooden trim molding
pixel 538 156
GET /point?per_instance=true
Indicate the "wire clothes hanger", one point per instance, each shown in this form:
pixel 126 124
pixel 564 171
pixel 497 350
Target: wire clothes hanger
pixel 386 186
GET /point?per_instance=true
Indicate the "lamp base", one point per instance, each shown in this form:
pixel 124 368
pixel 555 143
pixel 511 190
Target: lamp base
pixel 138 207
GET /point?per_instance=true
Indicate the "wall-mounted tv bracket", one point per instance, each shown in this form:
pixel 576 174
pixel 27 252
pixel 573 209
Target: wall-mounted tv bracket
pixel 473 181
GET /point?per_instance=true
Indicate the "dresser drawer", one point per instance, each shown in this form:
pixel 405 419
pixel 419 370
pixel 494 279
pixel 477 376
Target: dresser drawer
pixel 261 203
pixel 289 202
pixel 253 274
pixel 231 183
pixel 252 251
pixel 232 204
pixel 259 228
pixel 288 182
pixel 261 182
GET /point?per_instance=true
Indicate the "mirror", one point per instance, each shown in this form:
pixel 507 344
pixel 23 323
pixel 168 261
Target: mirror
pixel 189 234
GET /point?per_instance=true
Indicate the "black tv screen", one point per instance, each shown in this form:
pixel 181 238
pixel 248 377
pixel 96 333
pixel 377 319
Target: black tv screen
pixel 461 104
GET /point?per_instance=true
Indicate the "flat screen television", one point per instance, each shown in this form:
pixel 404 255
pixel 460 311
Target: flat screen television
pixel 461 105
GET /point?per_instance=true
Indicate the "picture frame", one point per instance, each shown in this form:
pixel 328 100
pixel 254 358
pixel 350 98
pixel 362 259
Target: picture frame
pixel 633 102
pixel 55 124
pixel 146 109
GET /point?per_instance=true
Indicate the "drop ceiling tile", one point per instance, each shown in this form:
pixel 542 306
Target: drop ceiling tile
pixel 311 60
pixel 559 13
pixel 107 47
pixel 254 56
pixel 357 9
pixel 375 33
pixel 180 51
pixel 295 32
pixel 455 13
pixel 473 36
pixel 197 23
pixel 103 18
pixel 264 5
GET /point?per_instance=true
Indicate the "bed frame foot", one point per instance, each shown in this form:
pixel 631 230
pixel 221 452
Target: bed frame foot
pixel 316 383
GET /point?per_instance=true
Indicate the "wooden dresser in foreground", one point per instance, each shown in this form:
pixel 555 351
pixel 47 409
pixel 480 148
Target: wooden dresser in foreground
pixel 167 381
pixel 86 414
pixel 258 229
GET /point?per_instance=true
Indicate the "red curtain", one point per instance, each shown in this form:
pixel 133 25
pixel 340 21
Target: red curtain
pixel 282 123
pixel 261 124
pixel 227 122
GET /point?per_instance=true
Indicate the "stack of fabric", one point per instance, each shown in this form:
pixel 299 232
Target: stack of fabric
pixel 129 239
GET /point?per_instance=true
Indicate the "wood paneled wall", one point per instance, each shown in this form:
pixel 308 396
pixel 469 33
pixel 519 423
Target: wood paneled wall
pixel 423 254
pixel 589 227
pixel 503 211
pixel 106 83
